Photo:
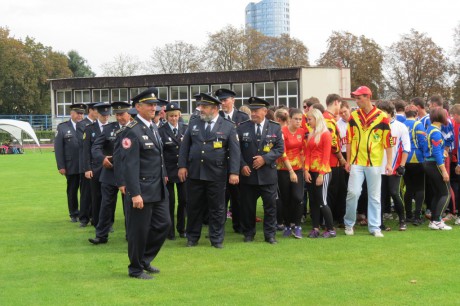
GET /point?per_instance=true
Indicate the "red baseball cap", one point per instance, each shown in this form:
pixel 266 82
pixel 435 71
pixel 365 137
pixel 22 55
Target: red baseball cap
pixel 362 90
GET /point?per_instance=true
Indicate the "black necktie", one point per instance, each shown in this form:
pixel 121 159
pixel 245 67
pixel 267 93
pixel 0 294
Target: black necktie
pixel 208 129
pixel 259 133
pixel 151 127
pixel 228 117
pixel 175 131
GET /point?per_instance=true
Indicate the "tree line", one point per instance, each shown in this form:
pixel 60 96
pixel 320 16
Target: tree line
pixel 412 66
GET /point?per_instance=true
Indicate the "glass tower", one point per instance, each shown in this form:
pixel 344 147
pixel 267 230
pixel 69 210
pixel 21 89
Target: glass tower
pixel 270 17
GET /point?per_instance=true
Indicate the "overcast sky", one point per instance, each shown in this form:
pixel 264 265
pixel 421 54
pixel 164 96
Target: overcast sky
pixel 102 29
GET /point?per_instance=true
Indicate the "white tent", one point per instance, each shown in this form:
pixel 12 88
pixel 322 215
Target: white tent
pixel 15 128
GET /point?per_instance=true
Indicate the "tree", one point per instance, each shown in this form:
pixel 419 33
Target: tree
pixel 362 55
pixel 224 49
pixel 416 67
pixel 122 65
pixel 287 52
pixel 78 65
pixel 177 57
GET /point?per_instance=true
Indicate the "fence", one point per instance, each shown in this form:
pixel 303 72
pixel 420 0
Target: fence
pixel 38 122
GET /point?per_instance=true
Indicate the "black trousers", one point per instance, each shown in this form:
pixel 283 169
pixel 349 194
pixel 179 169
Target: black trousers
pixel 232 193
pixel 337 194
pixel 291 195
pixel 107 211
pixel 147 231
pixel 441 190
pixel 391 185
pixel 181 206
pixel 73 184
pixel 96 198
pixel 318 201
pixel 206 196
pixel 85 199
pixel 414 178
pixel 249 195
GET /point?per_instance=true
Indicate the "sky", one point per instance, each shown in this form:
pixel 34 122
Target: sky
pixel 99 30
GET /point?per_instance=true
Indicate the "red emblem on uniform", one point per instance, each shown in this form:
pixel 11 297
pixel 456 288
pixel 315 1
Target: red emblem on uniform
pixel 436 143
pixel 126 143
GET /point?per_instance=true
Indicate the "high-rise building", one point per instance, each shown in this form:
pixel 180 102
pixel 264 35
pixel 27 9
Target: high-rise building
pixel 270 17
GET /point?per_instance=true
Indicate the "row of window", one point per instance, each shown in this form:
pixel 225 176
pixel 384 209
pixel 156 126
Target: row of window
pixel 286 94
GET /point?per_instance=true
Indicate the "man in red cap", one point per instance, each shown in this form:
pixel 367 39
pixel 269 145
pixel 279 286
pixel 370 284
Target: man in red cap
pixel 368 135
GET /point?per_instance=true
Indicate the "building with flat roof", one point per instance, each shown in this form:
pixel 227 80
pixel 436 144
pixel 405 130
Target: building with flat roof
pixel 287 86
pixel 270 17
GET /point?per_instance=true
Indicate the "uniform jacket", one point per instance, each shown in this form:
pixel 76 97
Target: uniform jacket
pixel 237 116
pixel 81 126
pixel 119 158
pixel 66 148
pixel 210 158
pixel 270 148
pixel 171 145
pixel 104 146
pixel 144 170
pixel 90 134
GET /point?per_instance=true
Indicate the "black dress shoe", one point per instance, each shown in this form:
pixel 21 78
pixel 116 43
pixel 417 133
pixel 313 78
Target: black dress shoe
pixel 217 245
pixel 151 269
pixel 183 235
pixel 248 238
pixel 97 240
pixel 191 243
pixel 83 224
pixel 172 238
pixel 73 219
pixel 271 240
pixel 142 276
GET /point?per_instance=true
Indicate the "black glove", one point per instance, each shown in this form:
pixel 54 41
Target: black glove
pixel 400 170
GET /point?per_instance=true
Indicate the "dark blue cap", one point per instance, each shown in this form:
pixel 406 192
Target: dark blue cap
pixel 207 99
pixel 150 95
pixel 103 108
pixel 120 107
pixel 256 102
pixel 162 102
pixel 78 107
pixel 173 106
pixel 91 105
pixel 224 93
pixel 132 112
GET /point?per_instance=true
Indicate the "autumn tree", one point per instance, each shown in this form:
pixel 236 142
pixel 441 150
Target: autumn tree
pixel 285 51
pixel 416 67
pixel 177 57
pixel 362 55
pixel 224 49
pixel 122 65
pixel 25 68
pixel 78 65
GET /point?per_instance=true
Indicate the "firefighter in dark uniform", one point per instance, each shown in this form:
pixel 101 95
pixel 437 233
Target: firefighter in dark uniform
pixel 91 166
pixel 261 144
pixel 66 150
pixel 227 98
pixel 171 134
pixel 102 151
pixel 208 154
pixel 85 184
pixel 146 192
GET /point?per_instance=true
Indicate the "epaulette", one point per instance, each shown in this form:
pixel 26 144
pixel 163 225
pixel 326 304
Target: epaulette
pixel 274 122
pixel 131 124
pixel 249 120
pixel 120 130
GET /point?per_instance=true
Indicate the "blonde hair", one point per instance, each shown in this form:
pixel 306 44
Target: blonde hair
pixel 174 112
pixel 244 108
pixel 320 127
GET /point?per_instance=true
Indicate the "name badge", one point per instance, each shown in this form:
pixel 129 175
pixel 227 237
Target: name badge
pixel 266 148
pixel 217 144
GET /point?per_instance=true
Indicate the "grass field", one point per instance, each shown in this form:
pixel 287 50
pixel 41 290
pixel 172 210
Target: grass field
pixel 46 260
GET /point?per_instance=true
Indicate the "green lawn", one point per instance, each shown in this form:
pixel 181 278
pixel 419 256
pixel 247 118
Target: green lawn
pixel 46 260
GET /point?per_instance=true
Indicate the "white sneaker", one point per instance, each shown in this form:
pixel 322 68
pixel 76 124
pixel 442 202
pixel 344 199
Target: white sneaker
pixel 387 216
pixel 377 233
pixel 433 225
pixel 457 221
pixel 349 231
pixel 444 227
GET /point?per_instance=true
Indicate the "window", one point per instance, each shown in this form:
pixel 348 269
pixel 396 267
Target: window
pixel 135 91
pixel 195 89
pixel 216 87
pixel 179 94
pixel 81 96
pixel 119 94
pixel 288 94
pixel 101 95
pixel 243 93
pixel 63 101
pixel 265 91
pixel 163 93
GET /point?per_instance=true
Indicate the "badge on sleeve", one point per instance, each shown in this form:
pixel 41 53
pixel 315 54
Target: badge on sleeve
pixel 126 143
